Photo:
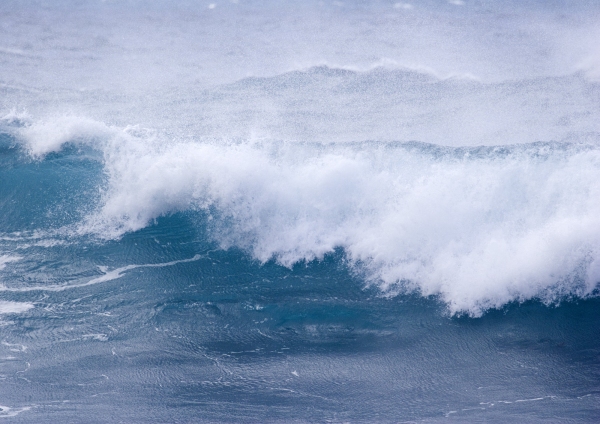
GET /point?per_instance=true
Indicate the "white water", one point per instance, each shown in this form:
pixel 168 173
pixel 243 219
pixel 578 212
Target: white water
pixel 7 307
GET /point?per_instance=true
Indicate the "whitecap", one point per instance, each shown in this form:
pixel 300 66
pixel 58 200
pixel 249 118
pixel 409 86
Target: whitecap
pixel 7 307
pixel 5 259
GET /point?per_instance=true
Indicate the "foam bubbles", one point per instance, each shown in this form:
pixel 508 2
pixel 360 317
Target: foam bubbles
pixel 45 136
pixel 7 307
pixel 5 259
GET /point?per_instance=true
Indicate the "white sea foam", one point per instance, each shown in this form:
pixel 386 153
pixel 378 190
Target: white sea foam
pixel 7 412
pixel 5 259
pixel 478 227
pixel 7 307
pixel 43 137
pixel 106 276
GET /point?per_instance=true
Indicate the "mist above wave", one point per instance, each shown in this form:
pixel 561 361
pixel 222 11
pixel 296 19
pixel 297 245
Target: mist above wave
pixel 454 73
pixel 332 105
pixel 478 227
pixel 132 45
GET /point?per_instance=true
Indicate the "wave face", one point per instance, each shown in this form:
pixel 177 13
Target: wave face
pixel 255 211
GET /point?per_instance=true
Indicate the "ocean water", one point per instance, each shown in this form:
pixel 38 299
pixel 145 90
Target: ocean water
pixel 280 211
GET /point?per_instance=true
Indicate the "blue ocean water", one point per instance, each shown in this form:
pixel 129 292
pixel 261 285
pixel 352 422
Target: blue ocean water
pixel 315 212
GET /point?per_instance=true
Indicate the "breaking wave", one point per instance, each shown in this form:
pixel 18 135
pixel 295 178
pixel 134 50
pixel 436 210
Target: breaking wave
pixel 476 226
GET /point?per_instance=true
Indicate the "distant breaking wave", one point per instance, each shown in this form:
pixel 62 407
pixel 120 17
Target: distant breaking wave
pixel 478 227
